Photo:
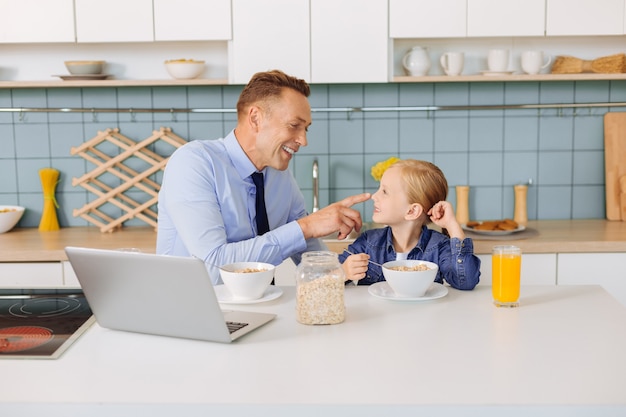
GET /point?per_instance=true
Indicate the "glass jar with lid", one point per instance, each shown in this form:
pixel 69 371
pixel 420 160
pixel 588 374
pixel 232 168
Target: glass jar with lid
pixel 320 284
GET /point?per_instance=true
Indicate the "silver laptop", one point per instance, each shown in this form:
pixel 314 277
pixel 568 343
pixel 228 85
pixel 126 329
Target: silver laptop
pixel 157 294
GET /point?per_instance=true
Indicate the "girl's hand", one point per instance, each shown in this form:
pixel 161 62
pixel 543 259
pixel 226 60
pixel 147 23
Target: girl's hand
pixel 355 266
pixel 443 216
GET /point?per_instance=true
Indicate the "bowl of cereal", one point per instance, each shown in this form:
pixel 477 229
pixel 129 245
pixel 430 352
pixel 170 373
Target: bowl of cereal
pixel 410 278
pixel 247 280
pixel 9 216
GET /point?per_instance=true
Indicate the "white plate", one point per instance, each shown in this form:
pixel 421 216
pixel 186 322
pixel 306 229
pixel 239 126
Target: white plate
pixel 493 232
pixel 225 297
pixel 496 73
pixel 83 77
pixel 383 290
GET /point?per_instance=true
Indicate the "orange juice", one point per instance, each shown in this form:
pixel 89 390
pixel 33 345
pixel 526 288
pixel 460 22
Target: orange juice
pixel 505 282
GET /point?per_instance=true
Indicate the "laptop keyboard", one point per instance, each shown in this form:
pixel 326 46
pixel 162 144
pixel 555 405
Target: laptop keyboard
pixel 233 326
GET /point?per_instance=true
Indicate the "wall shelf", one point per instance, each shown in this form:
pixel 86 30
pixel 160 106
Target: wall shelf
pixel 112 83
pixel 507 78
pixel 224 81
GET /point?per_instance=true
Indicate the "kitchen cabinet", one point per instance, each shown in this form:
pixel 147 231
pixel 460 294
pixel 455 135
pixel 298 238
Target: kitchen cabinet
pixel 537 269
pixel 505 18
pixel 114 21
pixel 31 275
pixel 69 276
pixel 264 39
pixel 37 21
pixel 192 20
pixel 585 17
pixel 349 41
pixel 605 269
pixel 427 19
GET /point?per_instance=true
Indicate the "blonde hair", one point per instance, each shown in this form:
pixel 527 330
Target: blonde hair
pixel 424 182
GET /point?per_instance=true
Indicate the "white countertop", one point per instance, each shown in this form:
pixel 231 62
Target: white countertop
pixel 563 349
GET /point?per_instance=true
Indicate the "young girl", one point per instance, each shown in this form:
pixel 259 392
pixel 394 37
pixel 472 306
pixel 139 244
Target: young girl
pixel 412 194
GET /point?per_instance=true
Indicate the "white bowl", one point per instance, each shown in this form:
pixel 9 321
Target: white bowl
pixel 9 216
pixel 84 67
pixel 410 283
pixel 247 285
pixel 184 69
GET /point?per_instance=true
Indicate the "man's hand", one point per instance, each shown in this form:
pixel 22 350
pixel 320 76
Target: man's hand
pixel 338 217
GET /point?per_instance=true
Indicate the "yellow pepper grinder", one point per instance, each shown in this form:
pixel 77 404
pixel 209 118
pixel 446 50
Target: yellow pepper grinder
pixel 462 204
pixel 520 215
pixel 49 179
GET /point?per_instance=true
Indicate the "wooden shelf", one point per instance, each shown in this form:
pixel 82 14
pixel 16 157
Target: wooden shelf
pixel 506 78
pixel 112 83
pixel 396 79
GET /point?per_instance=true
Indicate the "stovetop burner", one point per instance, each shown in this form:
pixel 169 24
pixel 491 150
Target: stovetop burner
pixel 41 323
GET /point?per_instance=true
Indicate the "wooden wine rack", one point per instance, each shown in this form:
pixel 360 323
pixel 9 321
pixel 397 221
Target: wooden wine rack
pixel 134 168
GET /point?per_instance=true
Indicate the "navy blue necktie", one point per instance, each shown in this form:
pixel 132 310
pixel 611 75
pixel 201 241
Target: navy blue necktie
pixel 262 224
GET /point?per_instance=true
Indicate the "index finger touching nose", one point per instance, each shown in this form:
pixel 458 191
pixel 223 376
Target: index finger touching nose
pixel 355 199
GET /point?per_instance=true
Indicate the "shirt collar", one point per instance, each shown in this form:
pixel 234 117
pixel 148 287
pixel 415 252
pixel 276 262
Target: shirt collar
pixel 421 244
pixel 240 160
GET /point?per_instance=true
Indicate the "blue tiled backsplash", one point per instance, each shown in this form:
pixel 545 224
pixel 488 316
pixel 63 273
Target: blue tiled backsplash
pixel 561 150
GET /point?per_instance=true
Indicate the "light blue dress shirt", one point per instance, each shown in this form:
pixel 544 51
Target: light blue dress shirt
pixel 206 208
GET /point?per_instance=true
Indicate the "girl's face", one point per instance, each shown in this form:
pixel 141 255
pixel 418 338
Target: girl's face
pixel 390 201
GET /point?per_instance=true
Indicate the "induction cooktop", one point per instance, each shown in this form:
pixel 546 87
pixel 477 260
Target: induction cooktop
pixel 41 324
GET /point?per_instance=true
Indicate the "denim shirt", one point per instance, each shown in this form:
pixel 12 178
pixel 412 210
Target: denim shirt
pixel 457 263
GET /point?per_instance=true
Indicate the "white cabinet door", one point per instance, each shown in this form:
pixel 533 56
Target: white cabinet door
pixel 192 20
pixel 114 21
pixel 537 269
pixel 506 18
pixel 349 41
pixel 37 21
pixel 427 18
pixel 606 269
pixel 69 276
pixel 31 275
pixel 269 34
pixel 585 17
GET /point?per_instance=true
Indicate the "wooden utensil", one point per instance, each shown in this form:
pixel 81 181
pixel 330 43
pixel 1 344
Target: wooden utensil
pixel 622 197
pixel 612 64
pixel 615 163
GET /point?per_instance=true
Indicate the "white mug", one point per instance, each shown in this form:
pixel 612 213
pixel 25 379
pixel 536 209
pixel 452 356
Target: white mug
pixel 533 62
pixel 498 60
pixel 452 62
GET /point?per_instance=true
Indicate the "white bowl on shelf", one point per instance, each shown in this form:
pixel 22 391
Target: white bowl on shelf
pixel 84 67
pixel 184 69
pixel 9 216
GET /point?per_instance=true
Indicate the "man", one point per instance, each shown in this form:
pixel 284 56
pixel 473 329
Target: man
pixel 207 198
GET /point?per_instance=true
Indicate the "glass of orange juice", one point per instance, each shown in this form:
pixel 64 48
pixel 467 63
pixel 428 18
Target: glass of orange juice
pixel 506 266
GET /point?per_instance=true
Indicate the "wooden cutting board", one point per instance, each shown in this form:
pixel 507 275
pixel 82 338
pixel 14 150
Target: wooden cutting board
pixel 615 165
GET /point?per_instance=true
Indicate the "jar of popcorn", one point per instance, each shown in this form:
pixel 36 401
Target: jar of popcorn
pixel 320 284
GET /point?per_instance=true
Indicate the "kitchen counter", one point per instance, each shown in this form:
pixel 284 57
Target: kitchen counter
pixel 553 236
pixel 560 353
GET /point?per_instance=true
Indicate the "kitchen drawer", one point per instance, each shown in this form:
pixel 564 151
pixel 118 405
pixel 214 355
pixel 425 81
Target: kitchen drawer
pixel 69 276
pixel 537 269
pixel 31 275
pixel 605 269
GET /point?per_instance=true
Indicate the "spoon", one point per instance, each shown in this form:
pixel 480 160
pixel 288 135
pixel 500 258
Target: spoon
pixel 372 262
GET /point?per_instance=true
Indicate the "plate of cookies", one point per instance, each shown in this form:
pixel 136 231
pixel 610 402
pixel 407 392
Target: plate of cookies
pixel 493 227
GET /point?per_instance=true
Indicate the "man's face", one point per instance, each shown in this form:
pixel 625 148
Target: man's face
pixel 282 129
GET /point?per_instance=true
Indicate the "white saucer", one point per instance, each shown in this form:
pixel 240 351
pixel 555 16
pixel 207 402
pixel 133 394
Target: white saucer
pixel 496 73
pixel 383 290
pixel 70 77
pixel 225 297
